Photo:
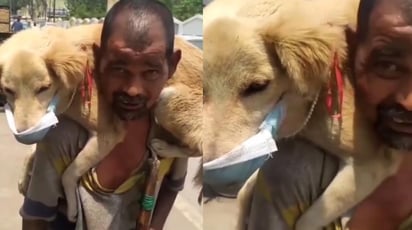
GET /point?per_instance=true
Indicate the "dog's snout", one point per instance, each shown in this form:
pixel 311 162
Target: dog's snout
pixel 23 121
pixel 21 124
pixel 209 151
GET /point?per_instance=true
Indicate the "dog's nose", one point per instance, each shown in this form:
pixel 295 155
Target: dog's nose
pixel 21 129
pixel 21 126
pixel 209 150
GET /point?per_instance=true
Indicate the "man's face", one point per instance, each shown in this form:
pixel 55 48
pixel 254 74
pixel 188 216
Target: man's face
pixel 383 70
pixel 133 76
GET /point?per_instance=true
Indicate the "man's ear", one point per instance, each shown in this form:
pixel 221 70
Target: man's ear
pixel 352 42
pixel 1 73
pixel 174 61
pixel 97 54
pixel 305 50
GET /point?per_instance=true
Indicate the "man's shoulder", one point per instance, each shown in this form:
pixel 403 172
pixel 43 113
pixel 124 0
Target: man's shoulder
pixel 298 146
pixel 298 162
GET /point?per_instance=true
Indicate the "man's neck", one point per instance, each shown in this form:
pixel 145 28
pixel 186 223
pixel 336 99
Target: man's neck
pixel 127 156
pixel 134 125
pixel 405 168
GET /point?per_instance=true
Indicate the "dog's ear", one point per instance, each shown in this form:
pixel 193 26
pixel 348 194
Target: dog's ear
pixel 67 63
pixel 1 73
pixel 305 50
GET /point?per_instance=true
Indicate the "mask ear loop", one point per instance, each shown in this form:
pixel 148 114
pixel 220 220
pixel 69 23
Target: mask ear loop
pixel 71 100
pixel 340 85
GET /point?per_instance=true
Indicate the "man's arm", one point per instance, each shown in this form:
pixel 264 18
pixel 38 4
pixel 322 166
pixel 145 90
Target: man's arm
pixel 44 191
pixel 172 184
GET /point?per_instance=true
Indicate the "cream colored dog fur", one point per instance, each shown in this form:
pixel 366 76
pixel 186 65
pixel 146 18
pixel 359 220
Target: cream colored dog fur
pixel 38 64
pixel 256 51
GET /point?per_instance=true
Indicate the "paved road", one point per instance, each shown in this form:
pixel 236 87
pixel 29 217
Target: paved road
pixel 186 215
pixel 220 214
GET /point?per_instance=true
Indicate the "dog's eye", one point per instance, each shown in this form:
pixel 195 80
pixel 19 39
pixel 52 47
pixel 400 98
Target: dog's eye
pixel 9 91
pixel 43 88
pixel 255 87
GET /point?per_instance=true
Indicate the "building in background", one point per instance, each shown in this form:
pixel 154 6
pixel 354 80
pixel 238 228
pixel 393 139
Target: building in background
pixel 193 26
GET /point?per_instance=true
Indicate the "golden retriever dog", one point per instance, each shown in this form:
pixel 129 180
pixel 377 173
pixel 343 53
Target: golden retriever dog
pixel 257 52
pixel 37 64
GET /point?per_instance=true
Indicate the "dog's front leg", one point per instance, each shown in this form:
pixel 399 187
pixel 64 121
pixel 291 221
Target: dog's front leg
pixel 353 183
pixel 98 146
pixel 244 199
pixel 25 174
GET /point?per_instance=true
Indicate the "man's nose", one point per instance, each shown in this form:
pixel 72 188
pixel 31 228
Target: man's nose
pixel 404 94
pixel 134 87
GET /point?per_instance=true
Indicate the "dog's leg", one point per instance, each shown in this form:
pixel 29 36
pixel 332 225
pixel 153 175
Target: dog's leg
pixel 352 184
pixel 179 111
pixel 25 175
pixel 244 198
pixel 97 147
pixel 164 149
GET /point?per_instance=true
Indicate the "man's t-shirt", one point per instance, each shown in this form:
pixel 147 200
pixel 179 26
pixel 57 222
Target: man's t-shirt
pixel 99 208
pixel 17 26
pixel 290 182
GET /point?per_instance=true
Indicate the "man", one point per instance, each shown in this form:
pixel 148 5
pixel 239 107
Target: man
pixel 17 25
pixel 135 60
pixel 382 61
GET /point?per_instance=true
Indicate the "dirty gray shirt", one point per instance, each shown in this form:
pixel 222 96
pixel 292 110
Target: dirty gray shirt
pixel 99 208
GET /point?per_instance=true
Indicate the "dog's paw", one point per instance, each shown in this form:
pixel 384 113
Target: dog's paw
pixel 71 215
pixel 166 150
pixel 161 147
pixel 71 206
pixel 23 184
pixel 70 187
pixel 25 175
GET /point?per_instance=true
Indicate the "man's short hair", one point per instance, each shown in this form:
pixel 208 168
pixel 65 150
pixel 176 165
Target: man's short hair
pixel 137 11
pixel 364 14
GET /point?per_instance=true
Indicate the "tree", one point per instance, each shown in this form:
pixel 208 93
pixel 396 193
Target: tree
pixel 87 8
pixel 15 4
pixel 184 9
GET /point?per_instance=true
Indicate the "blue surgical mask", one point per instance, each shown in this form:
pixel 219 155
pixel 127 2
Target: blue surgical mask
pixel 239 164
pixel 37 132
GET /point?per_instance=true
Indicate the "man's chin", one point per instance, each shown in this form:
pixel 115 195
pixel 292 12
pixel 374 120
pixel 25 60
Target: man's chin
pixel 396 139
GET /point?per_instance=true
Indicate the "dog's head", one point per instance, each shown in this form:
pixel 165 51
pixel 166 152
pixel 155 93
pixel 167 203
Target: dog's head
pixel 35 66
pixel 250 65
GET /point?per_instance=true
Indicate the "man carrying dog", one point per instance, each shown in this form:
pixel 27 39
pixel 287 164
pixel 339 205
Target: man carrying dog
pixel 134 61
pixel 382 64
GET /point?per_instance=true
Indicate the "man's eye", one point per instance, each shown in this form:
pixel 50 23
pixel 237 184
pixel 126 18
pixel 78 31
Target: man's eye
pixel 151 74
pixel 118 69
pixel 388 69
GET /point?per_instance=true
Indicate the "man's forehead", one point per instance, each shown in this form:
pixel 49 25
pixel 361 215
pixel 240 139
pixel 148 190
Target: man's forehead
pixel 390 12
pixel 119 53
pixel 134 39
pixel 388 18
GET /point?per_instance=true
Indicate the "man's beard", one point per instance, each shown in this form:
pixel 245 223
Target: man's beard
pixel 394 139
pixel 120 102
